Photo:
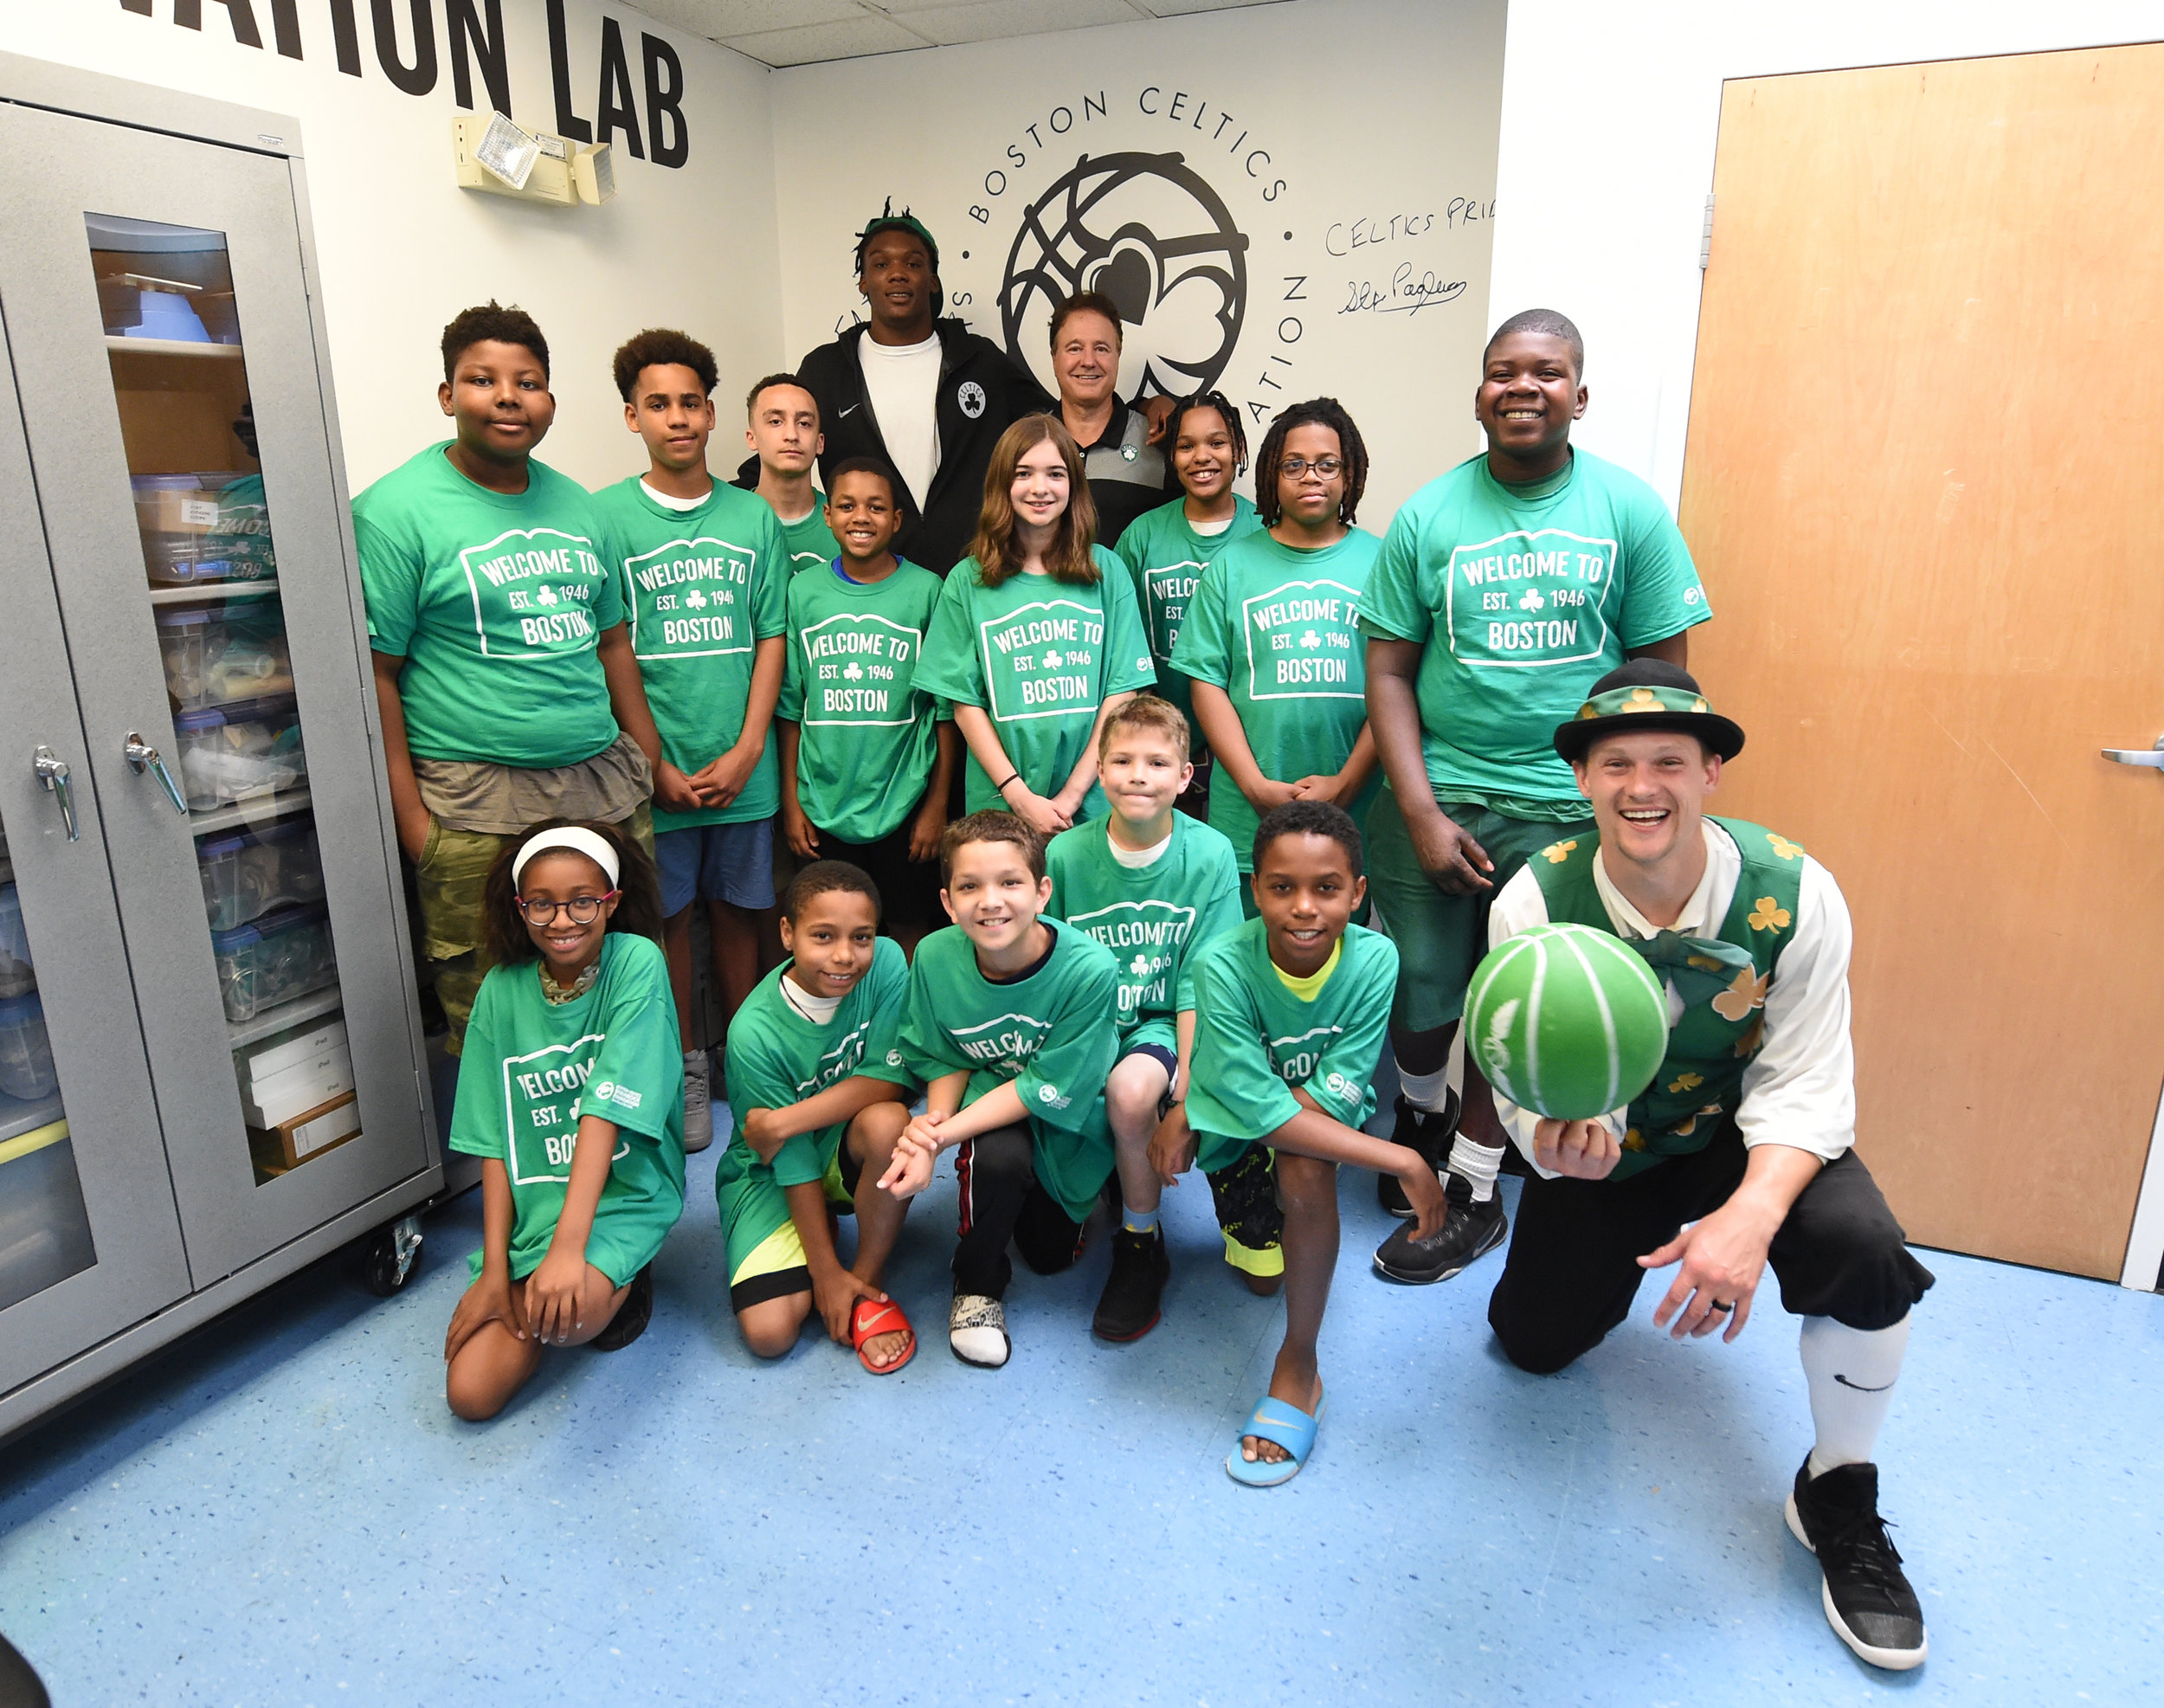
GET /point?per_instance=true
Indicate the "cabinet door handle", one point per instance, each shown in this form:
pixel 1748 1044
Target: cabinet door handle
pixel 52 772
pixel 2148 756
pixel 142 757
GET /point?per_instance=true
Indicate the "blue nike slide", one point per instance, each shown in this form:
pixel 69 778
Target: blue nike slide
pixel 1281 1421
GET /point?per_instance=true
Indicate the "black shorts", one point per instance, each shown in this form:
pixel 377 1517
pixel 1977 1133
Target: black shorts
pixel 796 1277
pixel 1573 1271
pixel 1248 1213
pixel 909 891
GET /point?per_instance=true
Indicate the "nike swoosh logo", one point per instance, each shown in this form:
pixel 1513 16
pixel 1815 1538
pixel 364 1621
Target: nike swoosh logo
pixel 851 411
pixel 1858 1386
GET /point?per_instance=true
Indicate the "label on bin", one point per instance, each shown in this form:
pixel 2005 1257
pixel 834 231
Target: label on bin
pixel 199 512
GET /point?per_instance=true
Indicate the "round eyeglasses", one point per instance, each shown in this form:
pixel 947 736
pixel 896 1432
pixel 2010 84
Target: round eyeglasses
pixel 583 909
pixel 1295 468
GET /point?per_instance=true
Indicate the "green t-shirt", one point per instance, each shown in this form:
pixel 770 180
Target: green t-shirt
pixel 496 603
pixel 865 744
pixel 811 544
pixel 1277 630
pixel 1041 656
pixel 1166 555
pixel 1523 598
pixel 702 588
pixel 1155 919
pixel 1254 1040
pixel 529 1066
pixel 1051 1034
pixel 778 1057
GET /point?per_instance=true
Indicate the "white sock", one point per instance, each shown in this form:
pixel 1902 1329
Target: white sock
pixel 1478 1164
pixel 1852 1373
pixel 1430 1092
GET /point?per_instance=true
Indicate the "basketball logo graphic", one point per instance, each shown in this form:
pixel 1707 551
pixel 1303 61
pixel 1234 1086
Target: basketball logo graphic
pixel 1159 241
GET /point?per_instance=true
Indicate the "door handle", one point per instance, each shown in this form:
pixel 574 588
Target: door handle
pixel 142 757
pixel 52 773
pixel 2152 758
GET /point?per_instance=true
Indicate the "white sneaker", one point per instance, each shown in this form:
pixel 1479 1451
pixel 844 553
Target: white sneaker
pixel 976 1328
pixel 699 1102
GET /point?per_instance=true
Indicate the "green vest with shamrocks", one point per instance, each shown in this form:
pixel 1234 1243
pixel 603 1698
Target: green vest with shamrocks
pixel 1722 982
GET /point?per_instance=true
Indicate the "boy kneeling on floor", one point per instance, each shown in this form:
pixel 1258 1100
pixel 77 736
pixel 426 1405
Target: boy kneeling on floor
pixel 1011 1024
pixel 1290 1012
pixel 813 1132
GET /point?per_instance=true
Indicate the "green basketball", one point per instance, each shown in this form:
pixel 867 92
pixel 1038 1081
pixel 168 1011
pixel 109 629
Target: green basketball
pixel 1567 1022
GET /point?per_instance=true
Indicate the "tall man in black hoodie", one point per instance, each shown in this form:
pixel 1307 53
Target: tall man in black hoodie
pixel 924 395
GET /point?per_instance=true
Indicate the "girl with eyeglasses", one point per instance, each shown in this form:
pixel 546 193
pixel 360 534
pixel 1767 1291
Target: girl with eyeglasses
pixel 1270 642
pixel 572 1091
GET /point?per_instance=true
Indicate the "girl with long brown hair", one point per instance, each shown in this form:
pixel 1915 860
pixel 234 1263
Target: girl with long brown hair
pixel 1037 637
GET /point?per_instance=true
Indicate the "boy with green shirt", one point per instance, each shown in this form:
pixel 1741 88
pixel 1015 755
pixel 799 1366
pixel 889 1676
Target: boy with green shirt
pixel 867 761
pixel 1290 1013
pixel 781 428
pixel 1009 1025
pixel 505 678
pixel 701 570
pixel 1503 592
pixel 1155 888
pixel 813 1132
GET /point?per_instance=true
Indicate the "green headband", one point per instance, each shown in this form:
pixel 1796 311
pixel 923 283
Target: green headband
pixel 888 220
pixel 1618 701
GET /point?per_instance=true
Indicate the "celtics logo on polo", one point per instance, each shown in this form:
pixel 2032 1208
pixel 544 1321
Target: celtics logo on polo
pixel 1155 237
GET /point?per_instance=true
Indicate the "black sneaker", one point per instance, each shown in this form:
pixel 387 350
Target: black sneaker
pixel 1419 1130
pixel 630 1321
pixel 1469 1233
pixel 1868 1601
pixel 1128 1308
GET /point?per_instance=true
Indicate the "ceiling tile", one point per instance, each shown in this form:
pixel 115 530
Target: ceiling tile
pixel 846 40
pixel 992 20
pixel 718 19
pixel 1173 9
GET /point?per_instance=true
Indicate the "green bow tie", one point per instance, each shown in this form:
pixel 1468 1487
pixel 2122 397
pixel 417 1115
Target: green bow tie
pixel 1700 967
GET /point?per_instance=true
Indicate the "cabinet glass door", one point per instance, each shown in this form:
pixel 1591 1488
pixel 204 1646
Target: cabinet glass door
pixel 204 581
pixel 89 1240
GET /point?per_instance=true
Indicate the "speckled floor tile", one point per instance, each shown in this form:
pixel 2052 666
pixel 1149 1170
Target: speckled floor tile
pixel 282 1512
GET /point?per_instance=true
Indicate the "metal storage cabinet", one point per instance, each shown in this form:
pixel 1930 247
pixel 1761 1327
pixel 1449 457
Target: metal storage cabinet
pixel 186 693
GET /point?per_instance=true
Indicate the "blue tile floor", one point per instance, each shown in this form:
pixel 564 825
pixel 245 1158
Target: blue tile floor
pixel 283 1512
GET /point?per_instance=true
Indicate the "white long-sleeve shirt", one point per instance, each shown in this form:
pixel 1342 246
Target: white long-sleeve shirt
pixel 1800 1089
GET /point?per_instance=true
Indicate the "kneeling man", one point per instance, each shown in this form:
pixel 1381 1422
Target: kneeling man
pixel 1745 1135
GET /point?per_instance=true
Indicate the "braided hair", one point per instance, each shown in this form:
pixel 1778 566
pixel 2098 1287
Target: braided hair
pixel 1208 400
pixel 1316 412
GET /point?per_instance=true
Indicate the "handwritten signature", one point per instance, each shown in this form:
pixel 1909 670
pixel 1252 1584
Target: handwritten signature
pixel 1407 293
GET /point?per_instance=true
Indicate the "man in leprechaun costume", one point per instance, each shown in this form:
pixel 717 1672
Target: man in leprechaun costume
pixel 1739 1153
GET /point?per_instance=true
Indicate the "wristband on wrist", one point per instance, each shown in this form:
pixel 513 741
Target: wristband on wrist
pixel 1001 788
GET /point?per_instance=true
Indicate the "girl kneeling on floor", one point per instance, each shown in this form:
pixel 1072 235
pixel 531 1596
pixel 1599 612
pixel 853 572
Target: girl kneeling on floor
pixel 571 1089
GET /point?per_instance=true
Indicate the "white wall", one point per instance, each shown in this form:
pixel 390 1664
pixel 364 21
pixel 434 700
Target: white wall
pixel 1610 115
pixel 1350 110
pixel 402 249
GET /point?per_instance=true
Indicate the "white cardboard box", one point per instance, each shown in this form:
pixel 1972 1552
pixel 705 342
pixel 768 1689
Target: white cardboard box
pixel 268 1103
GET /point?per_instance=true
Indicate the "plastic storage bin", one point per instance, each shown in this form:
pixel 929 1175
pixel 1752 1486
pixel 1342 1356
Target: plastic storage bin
pixel 26 1054
pixel 210 526
pixel 16 973
pixel 280 956
pixel 245 877
pixel 230 752
pixel 215 657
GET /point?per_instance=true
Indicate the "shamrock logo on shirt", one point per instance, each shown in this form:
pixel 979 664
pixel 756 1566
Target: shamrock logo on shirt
pixel 1532 601
pixel 1051 660
pixel 853 672
pixel 1310 639
pixel 1139 966
pixel 1747 992
pixel 1783 847
pixel 545 597
pixel 1768 916
pixel 1686 1082
pixel 696 600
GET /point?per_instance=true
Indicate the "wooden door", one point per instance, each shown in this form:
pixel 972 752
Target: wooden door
pixel 1926 459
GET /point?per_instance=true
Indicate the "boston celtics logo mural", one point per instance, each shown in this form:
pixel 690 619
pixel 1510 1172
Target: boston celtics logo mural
pixel 1152 235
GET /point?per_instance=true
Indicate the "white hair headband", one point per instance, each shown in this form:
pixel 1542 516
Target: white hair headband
pixel 572 837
